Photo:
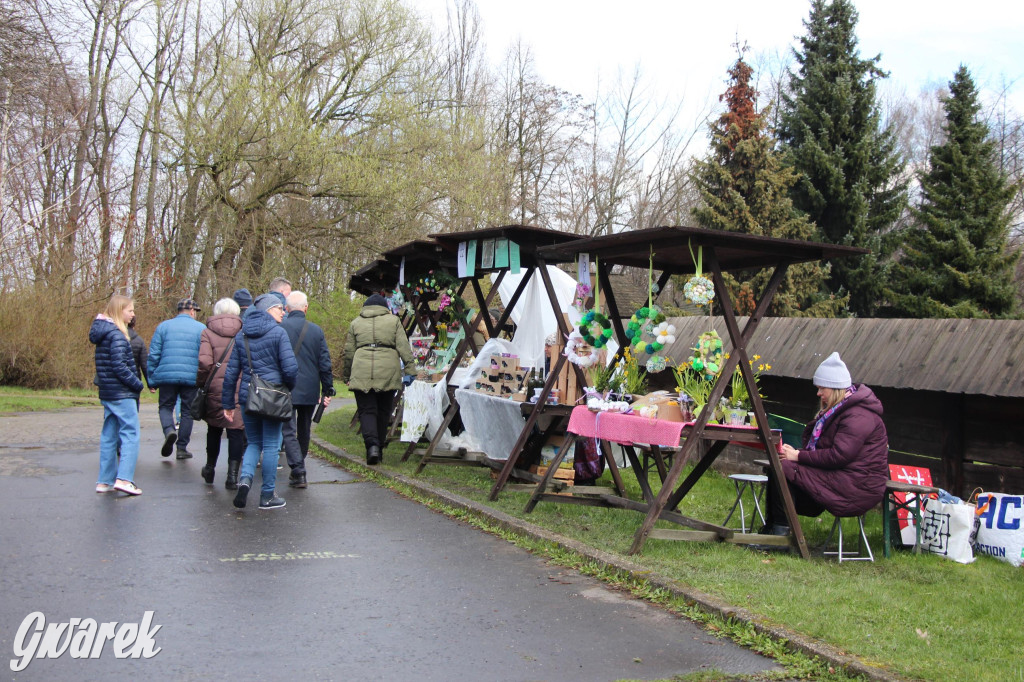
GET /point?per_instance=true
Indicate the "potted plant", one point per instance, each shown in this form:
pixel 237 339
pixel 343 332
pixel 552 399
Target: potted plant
pixel 693 388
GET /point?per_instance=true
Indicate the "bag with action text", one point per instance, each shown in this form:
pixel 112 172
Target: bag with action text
pixel 1001 527
pixel 266 400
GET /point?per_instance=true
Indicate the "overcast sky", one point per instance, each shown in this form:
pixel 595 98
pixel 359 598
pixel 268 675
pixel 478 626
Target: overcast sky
pixel 684 48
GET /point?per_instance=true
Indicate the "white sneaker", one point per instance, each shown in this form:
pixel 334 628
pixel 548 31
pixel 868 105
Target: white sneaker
pixel 127 487
pixel 104 487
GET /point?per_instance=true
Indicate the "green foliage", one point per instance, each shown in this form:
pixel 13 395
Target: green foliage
pixel 745 188
pixel 957 262
pixel 831 131
pixel 334 313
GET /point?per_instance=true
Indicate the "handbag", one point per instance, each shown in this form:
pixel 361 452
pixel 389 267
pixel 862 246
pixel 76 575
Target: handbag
pixel 266 400
pixel 198 407
pixel 946 529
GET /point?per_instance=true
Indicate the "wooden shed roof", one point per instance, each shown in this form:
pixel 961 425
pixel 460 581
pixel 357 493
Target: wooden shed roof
pixel 529 239
pixel 975 357
pixel 674 249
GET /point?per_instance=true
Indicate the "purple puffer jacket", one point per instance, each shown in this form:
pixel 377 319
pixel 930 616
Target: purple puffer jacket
pixel 847 471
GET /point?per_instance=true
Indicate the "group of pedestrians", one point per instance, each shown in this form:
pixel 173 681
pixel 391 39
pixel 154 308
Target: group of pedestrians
pixel 269 337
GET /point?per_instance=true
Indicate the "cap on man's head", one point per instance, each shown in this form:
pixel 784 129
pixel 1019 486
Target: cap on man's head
pixel 832 373
pixel 188 304
pixel 265 302
pixel 242 297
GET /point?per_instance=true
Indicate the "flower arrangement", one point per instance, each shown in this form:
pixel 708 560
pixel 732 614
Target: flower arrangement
pixel 420 348
pixel 634 379
pixel 740 393
pixel 694 384
pixel 579 300
pixel 441 340
pixel 707 354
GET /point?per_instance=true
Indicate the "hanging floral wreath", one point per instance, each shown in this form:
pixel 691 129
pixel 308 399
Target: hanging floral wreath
pixel 574 341
pixel 595 328
pixel 707 354
pixel 657 326
pixel 699 290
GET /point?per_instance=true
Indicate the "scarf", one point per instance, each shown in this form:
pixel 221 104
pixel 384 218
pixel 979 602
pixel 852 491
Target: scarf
pixel 820 424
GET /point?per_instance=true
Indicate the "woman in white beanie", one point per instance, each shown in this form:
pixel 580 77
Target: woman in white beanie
pixel 844 462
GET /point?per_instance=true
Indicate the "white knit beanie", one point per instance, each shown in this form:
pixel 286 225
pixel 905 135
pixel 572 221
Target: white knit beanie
pixel 832 373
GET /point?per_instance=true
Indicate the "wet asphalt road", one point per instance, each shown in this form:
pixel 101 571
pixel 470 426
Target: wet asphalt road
pixel 348 582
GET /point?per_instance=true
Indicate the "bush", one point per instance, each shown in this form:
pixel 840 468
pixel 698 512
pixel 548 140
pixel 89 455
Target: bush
pixel 45 340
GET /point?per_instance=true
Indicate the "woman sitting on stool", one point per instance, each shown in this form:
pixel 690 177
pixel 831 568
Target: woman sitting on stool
pixel 844 463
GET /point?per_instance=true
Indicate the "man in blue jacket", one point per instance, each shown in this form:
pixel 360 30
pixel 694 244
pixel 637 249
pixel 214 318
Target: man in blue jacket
pixel 314 379
pixel 173 364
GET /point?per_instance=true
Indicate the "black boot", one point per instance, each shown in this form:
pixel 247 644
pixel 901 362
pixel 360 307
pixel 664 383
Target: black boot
pixel 231 482
pixel 207 473
pixel 297 480
pixel 373 455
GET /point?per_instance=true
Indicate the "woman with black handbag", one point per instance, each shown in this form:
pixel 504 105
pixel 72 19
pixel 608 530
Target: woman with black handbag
pixel 215 343
pixel 264 369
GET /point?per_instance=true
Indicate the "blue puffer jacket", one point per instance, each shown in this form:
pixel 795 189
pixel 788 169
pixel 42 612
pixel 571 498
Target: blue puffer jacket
pixel 271 353
pixel 174 351
pixel 115 365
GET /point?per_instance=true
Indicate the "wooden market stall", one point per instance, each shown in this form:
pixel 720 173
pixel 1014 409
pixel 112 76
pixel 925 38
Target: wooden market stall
pixel 677 250
pixel 499 251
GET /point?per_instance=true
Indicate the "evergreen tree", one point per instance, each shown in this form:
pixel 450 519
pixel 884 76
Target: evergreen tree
pixel 745 188
pixel 830 127
pixel 957 262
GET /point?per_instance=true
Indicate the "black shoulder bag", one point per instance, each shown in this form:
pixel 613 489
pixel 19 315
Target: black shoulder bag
pixel 266 400
pixel 198 406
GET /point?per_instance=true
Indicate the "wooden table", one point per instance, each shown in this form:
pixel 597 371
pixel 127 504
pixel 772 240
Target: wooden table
pixel 627 430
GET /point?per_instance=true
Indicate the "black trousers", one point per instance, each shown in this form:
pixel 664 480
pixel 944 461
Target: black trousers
pixel 802 500
pixel 295 437
pixel 374 413
pixel 236 444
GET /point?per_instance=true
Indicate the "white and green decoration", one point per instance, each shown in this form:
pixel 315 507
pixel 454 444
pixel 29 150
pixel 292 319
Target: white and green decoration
pixel 699 290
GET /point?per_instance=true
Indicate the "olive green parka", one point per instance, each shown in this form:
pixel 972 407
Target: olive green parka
pixel 373 346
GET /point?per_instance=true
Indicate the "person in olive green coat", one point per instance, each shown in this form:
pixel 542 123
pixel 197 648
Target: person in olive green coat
pixel 373 346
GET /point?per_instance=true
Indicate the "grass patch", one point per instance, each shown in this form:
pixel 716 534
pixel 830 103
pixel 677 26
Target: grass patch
pixel 15 399
pixel 920 616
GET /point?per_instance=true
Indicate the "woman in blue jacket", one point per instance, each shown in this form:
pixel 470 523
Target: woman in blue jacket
pixel 119 388
pixel 262 345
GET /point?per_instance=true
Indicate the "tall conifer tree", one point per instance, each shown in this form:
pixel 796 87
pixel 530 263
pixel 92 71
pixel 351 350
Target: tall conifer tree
pixel 745 188
pixel 830 127
pixel 956 261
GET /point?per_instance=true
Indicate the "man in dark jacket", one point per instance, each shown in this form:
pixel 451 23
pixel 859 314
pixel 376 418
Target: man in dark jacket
pixel 314 380
pixel 173 365
pixel 138 345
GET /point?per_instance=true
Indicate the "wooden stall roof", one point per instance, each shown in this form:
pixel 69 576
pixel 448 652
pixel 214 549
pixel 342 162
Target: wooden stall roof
pixel 671 247
pixel 373 277
pixel 974 357
pixel 417 250
pixel 530 240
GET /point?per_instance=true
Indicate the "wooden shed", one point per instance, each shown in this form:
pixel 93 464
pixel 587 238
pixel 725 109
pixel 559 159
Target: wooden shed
pixel 953 390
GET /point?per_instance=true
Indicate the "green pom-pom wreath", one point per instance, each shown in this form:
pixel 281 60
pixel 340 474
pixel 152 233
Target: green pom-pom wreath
pixel 707 354
pixel 635 330
pixel 594 321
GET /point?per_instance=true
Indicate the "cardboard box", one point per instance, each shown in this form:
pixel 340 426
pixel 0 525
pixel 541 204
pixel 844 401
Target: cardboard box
pixel 487 387
pixel 508 364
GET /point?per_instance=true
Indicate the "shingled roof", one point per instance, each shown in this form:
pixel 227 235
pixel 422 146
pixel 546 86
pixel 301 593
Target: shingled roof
pixel 975 357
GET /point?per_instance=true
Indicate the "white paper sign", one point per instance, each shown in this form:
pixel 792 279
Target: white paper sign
pixel 583 268
pixel 401 272
pixel 462 260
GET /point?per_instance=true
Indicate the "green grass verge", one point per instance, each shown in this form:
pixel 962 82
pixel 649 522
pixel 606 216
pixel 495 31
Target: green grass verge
pixel 15 399
pixel 920 616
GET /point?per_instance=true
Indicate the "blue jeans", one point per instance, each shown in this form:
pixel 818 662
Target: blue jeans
pixel 264 436
pixel 120 425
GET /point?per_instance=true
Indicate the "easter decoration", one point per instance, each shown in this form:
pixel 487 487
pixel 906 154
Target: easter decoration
pixel 699 290
pixel 707 355
pixel 650 321
pixel 573 344
pixel 595 328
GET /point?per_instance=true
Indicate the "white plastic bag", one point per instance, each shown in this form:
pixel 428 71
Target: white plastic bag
pixel 1001 527
pixel 946 529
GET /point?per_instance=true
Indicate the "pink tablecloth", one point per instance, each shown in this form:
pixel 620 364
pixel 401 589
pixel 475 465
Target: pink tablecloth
pixel 624 428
